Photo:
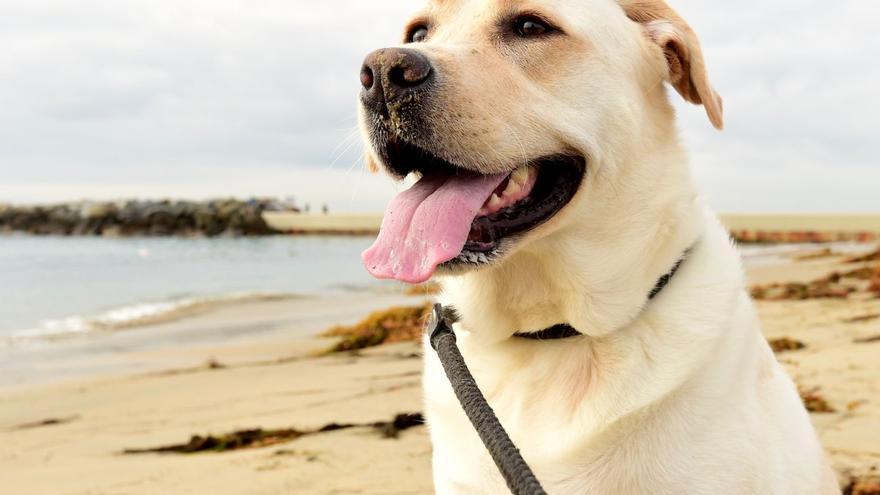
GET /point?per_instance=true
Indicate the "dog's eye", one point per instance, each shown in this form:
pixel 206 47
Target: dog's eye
pixel 529 26
pixel 417 34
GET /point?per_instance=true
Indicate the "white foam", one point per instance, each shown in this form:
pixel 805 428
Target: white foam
pixel 134 315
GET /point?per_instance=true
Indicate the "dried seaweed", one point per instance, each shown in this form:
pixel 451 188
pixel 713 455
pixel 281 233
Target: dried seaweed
pixel 745 236
pixel 399 324
pixel 836 285
pixel 46 422
pixel 786 344
pixel 862 318
pixel 428 289
pixel 801 291
pixel 258 437
pixel 815 255
pixel 872 256
pixel 868 485
pixel 814 402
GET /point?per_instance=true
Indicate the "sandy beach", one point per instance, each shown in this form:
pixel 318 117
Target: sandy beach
pixel 253 365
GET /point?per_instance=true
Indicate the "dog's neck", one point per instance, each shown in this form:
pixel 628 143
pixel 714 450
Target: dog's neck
pixel 596 272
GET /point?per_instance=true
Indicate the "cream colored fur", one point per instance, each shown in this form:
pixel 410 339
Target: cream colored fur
pixel 681 395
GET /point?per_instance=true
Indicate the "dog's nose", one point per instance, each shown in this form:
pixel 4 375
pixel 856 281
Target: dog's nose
pixel 391 72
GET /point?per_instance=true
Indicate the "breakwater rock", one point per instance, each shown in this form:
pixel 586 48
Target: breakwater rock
pixel 226 217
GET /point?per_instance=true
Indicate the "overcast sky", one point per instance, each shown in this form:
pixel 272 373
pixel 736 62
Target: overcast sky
pixel 200 98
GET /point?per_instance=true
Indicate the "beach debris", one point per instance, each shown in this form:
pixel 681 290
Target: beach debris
pixel 242 439
pixel 862 318
pixel 397 324
pixel 855 404
pixel 46 422
pixel 744 236
pixel 814 402
pixel 801 291
pixel 309 456
pixel 836 285
pixel 864 273
pixel 401 422
pixel 214 364
pixel 814 255
pixel 872 256
pixel 868 485
pixel 785 344
pixel 258 437
pixel 427 289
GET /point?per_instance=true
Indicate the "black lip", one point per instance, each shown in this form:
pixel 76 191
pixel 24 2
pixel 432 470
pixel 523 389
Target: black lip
pixel 402 158
pixel 559 178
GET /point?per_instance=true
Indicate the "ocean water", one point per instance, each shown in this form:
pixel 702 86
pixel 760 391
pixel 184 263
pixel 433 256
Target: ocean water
pixel 61 286
pixel 53 286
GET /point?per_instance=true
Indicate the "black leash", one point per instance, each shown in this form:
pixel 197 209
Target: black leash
pixel 517 474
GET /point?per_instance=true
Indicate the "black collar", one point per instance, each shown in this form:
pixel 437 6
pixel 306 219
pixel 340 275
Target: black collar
pixel 564 331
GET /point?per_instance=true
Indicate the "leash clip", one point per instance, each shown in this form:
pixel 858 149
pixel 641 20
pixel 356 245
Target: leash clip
pixel 438 325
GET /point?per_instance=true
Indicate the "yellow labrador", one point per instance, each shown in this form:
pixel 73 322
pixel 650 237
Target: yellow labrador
pixel 552 189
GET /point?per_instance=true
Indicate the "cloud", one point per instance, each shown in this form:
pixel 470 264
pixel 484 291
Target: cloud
pixel 797 78
pixel 195 98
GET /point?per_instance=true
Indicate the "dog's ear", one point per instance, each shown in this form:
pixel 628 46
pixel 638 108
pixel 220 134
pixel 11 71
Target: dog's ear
pixel 684 57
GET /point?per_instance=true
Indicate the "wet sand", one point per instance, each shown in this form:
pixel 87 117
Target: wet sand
pixel 238 332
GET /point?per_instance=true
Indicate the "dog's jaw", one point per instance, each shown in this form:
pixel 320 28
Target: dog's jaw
pixel 591 267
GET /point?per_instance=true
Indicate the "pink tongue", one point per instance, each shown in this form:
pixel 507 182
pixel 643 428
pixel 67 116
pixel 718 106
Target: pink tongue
pixel 427 225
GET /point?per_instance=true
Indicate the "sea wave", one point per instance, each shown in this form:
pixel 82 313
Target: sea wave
pixel 134 315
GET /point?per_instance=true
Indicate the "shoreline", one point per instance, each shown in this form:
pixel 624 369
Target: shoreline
pixel 132 317
pixel 758 228
pixel 227 333
pixel 264 217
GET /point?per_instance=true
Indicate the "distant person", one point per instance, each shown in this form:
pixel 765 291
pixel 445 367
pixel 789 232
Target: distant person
pixel 324 209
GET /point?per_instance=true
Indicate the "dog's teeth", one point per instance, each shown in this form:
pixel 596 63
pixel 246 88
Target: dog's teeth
pixel 520 175
pixel 512 188
pixel 494 201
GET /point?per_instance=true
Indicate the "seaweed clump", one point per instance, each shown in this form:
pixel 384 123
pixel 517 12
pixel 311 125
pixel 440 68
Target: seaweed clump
pixel 258 437
pixel 833 286
pixel 815 255
pixel 237 440
pixel 428 289
pixel 869 485
pixel 746 236
pixel 814 402
pixel 872 256
pixel 863 318
pixel 397 324
pixel 786 344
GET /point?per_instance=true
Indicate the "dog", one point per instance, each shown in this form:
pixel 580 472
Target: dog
pixel 553 189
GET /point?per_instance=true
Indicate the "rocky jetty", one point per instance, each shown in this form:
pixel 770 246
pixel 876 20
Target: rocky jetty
pixel 225 217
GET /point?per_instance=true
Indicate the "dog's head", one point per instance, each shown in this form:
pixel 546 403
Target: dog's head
pixel 514 114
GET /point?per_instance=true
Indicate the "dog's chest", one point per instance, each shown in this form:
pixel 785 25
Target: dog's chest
pixel 545 399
